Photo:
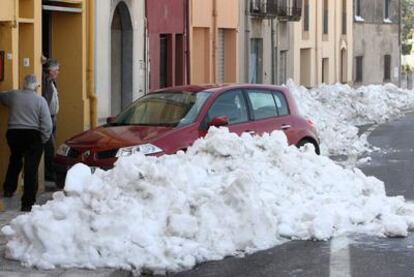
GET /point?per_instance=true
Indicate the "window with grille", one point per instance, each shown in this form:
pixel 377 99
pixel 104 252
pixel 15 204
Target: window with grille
pixel 256 61
pixel 306 16
pixel 359 72
pixel 358 8
pixel 220 56
pixel 344 17
pixel 325 70
pixel 165 60
pixel 387 9
pixel 325 17
pixel 387 67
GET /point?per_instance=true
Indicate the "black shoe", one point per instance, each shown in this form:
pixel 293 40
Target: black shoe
pixel 50 178
pixel 26 208
pixel 8 194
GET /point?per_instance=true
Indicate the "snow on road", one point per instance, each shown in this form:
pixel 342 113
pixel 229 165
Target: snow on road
pixel 226 195
pixel 338 109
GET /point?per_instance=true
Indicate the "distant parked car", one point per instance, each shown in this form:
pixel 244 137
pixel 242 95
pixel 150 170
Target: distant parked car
pixel 169 120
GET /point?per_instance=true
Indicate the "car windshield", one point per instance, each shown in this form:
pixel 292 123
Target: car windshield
pixel 171 109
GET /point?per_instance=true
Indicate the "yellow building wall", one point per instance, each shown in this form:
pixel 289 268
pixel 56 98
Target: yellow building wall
pixel 20 39
pixel 228 15
pixel 206 18
pixel 320 46
pixel 7 10
pixel 201 13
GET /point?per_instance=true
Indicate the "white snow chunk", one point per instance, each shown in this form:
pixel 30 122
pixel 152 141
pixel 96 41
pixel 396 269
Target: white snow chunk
pixel 76 178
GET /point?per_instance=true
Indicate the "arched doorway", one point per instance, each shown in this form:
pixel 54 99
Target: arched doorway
pixel 121 59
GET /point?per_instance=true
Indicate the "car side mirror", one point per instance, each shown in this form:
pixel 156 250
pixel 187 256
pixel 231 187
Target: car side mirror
pixel 219 121
pixel 110 119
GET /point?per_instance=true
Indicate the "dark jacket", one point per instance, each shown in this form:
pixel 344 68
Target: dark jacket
pixel 47 90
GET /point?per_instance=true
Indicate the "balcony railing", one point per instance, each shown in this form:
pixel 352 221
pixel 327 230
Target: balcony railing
pixel 284 10
pixel 289 10
pixel 263 8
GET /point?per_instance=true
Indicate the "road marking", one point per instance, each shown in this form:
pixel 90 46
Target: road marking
pixel 340 261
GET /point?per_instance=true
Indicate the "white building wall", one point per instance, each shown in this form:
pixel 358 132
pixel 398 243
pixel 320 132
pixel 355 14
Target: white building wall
pixel 322 46
pixel 104 14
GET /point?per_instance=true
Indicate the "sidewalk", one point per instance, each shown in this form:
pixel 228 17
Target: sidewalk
pixel 9 209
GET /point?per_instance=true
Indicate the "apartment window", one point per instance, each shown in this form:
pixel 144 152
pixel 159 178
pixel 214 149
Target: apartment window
pixel 387 9
pixel 359 64
pixel 344 17
pixel 306 16
pixel 358 8
pixel 387 68
pixel 325 16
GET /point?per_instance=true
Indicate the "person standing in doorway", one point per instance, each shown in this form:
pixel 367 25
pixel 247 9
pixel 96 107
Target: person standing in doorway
pixel 29 127
pixel 50 93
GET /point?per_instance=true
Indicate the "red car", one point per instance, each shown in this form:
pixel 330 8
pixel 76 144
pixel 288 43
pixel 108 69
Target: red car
pixel 169 120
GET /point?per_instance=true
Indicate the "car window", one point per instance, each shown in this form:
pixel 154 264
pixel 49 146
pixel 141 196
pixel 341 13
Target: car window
pixel 230 104
pixel 281 103
pixel 263 104
pixel 173 109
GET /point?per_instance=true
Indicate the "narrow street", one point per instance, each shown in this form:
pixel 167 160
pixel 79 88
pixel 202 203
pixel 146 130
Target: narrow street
pixel 357 256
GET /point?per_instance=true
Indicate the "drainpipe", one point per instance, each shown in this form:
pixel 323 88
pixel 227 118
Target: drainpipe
pixel 317 36
pixel 214 62
pixel 334 35
pixel 272 42
pixel 14 24
pixel 246 42
pixel 187 38
pixel 90 67
pixel 400 44
pixel 146 60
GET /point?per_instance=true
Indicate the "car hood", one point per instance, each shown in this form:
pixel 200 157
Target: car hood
pixel 118 136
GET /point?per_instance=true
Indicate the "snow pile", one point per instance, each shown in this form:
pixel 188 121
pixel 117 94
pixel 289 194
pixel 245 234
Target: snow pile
pixel 226 196
pixel 337 109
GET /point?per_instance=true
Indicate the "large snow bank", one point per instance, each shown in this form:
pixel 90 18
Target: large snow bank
pixel 338 109
pixel 227 195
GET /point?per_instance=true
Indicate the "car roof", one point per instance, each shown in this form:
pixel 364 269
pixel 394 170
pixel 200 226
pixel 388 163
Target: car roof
pixel 215 87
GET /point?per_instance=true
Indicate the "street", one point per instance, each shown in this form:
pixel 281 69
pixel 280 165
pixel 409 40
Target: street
pixel 357 256
pixel 179 138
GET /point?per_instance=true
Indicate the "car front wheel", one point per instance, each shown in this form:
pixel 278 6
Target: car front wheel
pixel 303 142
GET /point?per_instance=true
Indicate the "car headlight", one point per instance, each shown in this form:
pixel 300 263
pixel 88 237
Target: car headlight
pixel 63 150
pixel 145 149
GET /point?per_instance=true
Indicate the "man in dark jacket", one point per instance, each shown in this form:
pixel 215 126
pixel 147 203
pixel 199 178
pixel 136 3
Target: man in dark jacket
pixel 50 93
pixel 29 127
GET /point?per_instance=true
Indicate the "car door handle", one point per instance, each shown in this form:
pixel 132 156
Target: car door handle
pixel 285 126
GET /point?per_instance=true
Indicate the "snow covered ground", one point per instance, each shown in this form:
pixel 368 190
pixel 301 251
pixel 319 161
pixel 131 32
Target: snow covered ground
pixel 338 109
pixel 227 195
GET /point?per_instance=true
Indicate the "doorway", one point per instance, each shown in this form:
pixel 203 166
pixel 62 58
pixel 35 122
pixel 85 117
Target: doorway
pixel 121 59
